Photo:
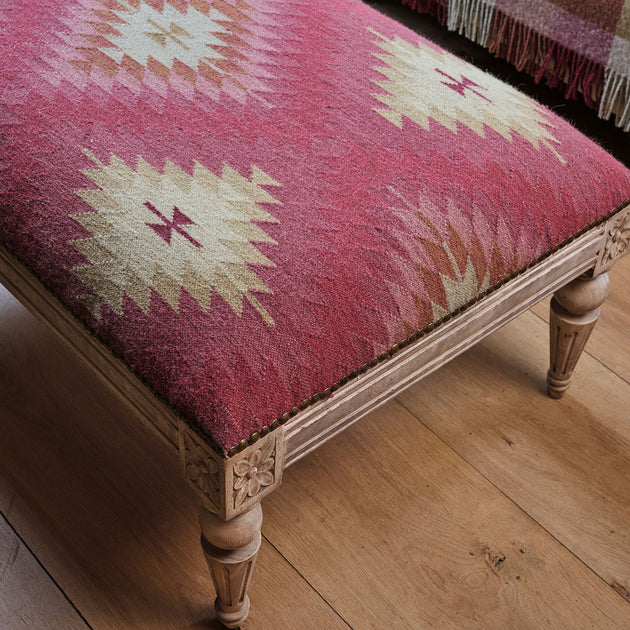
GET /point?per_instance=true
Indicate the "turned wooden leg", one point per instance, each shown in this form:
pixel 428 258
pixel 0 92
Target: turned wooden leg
pixel 231 548
pixel 574 311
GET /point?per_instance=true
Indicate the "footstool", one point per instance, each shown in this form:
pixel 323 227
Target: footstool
pixel 259 220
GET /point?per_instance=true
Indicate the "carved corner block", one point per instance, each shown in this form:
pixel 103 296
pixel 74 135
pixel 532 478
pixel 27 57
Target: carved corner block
pixel 201 466
pixel 254 473
pixel 231 486
pixel 616 241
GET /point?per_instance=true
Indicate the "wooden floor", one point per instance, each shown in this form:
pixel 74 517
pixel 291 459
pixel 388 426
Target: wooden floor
pixel 471 501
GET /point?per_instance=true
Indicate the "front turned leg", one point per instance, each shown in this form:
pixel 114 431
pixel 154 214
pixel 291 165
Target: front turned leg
pixel 231 548
pixel 574 311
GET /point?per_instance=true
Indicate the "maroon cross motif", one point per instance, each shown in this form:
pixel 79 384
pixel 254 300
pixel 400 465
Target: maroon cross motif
pixel 461 86
pixel 165 230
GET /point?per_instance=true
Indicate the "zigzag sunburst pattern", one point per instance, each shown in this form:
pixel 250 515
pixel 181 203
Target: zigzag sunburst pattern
pixel 209 48
pixel 250 201
pixel 423 83
pixel 169 231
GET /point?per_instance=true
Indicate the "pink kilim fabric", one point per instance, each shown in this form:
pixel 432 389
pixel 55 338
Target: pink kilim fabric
pixel 250 201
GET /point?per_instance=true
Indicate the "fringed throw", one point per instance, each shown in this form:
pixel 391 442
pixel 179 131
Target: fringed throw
pixel 582 45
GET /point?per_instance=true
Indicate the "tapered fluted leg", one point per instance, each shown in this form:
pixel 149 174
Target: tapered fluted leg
pixel 574 311
pixel 231 548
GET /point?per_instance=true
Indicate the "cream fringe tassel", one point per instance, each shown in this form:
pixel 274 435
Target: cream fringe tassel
pixel 616 98
pixel 471 18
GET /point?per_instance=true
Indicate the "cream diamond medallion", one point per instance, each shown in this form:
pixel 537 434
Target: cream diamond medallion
pixel 171 231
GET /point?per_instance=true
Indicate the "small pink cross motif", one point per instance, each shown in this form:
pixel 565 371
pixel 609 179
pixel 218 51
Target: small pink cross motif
pixel 165 230
pixel 461 86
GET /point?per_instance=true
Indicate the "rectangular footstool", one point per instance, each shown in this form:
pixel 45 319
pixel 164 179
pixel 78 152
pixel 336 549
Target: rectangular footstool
pixel 259 220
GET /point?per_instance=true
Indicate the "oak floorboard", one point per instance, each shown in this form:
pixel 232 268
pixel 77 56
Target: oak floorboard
pixel 28 597
pixel 564 462
pixel 396 530
pixel 101 502
pixel 609 340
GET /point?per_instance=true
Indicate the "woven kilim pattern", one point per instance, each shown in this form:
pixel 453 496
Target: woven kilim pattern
pixel 250 200
pixel 583 45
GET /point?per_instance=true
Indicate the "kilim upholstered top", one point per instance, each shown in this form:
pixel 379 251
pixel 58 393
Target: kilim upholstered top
pixel 251 201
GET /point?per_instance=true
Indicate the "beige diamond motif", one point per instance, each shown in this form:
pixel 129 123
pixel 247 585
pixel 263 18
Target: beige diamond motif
pixel 167 35
pixel 171 231
pixel 423 83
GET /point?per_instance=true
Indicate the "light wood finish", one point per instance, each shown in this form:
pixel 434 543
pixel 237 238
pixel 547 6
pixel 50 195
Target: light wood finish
pixel 401 533
pixel 231 549
pixel 607 339
pixel 102 504
pixel 229 487
pixel 317 424
pixel 575 309
pixel 103 523
pixel 28 597
pixel 566 462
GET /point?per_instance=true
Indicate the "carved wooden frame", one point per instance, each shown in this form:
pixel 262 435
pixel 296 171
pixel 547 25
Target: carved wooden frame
pixel 232 487
pixel 229 487
pixel 617 241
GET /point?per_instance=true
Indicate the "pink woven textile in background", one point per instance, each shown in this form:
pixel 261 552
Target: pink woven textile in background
pixel 582 45
pixel 251 201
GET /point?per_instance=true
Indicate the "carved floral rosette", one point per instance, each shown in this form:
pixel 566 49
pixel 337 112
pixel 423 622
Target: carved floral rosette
pixel 254 473
pixel 230 486
pixel 616 241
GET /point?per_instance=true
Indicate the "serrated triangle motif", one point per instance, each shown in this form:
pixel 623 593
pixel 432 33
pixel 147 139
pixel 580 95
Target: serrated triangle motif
pixel 164 232
pixel 423 83
pixel 214 47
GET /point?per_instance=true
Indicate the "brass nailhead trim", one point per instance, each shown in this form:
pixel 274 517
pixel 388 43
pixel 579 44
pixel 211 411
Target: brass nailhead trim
pixel 415 336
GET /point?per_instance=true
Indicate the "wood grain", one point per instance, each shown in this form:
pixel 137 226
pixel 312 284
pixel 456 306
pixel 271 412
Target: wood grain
pixel 608 342
pixel 28 597
pixel 395 530
pixel 565 462
pixel 101 502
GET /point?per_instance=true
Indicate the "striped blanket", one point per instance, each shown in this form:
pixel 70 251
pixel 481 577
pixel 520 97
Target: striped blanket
pixel 583 45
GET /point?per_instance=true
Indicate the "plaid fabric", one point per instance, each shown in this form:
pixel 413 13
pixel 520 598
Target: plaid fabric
pixel 581 44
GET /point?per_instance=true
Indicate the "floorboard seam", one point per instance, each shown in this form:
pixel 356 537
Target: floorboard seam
pixel 45 570
pixel 304 578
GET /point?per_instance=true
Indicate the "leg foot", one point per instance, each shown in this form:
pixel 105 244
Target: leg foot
pixel 231 548
pixel 574 311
